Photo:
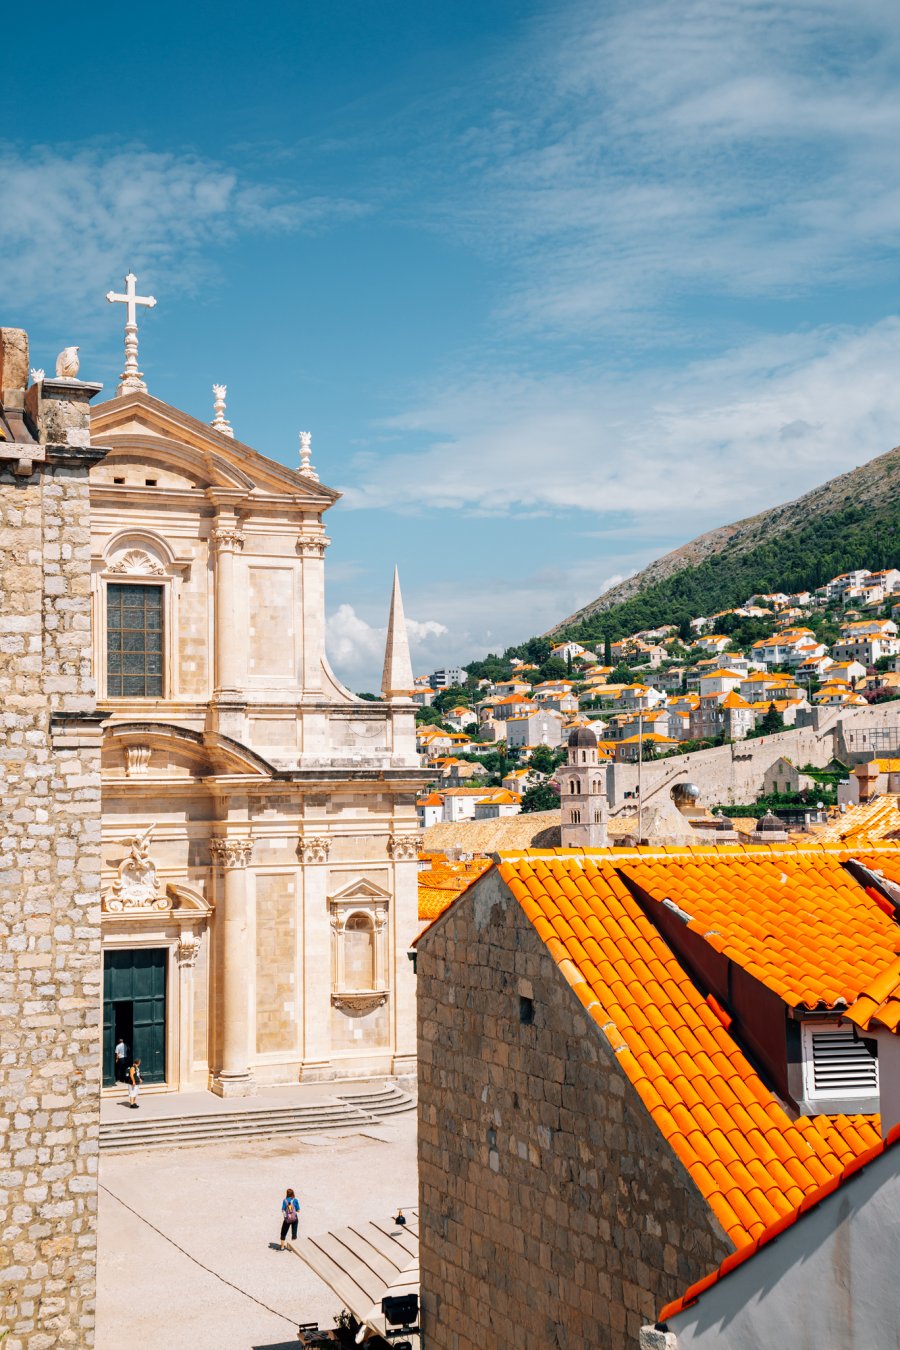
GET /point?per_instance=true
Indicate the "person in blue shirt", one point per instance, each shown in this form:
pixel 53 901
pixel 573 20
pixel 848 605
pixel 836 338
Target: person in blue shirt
pixel 290 1216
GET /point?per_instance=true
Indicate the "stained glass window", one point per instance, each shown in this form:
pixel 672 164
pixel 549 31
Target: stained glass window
pixel 134 637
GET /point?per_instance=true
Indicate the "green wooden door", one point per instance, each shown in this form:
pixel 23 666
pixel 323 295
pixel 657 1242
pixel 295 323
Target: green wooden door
pixel 134 1001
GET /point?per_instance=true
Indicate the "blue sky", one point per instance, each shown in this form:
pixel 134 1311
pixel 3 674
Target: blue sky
pixel 554 286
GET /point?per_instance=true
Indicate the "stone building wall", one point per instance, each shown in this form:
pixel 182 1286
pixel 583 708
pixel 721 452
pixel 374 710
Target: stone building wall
pixel 49 907
pixel 552 1212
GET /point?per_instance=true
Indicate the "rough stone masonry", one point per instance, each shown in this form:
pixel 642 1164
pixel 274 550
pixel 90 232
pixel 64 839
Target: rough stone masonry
pixel 50 967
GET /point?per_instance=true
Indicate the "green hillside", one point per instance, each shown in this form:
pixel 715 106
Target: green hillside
pixel 801 559
pixel 850 521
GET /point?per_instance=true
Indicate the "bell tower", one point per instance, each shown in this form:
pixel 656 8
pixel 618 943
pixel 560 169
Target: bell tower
pixel 582 793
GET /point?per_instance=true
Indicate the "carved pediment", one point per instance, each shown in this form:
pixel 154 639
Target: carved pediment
pixel 143 429
pixel 363 891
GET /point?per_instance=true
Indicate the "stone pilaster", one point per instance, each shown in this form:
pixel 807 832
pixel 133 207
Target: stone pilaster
pixel 316 1067
pixel 227 710
pixel 234 1079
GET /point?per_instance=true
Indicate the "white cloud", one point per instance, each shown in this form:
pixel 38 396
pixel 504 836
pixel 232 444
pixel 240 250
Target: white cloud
pixel 356 648
pixel 76 210
pixel 713 441
pixel 646 150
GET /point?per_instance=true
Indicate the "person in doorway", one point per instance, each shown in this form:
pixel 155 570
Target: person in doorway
pixel 134 1084
pixel 290 1216
pixel 121 1055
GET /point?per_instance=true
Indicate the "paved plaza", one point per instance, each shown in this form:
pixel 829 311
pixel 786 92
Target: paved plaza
pixel 221 1204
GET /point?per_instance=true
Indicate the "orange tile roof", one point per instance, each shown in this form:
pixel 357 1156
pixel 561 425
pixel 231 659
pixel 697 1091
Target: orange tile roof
pixel 800 925
pixel 749 1160
pixel 444 881
pixel 775 1230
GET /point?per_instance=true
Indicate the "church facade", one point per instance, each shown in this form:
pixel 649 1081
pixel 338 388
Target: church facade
pixel 259 830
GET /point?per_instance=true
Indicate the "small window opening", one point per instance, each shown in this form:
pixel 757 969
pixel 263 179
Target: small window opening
pixel 149 482
pixel 526 1010
pixel 118 480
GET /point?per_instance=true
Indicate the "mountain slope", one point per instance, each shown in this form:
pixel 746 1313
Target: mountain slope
pixel 850 521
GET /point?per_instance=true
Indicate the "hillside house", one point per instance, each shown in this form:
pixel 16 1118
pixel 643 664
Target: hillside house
pixel 720 681
pixel 460 718
pixel 565 651
pixel 498 803
pixel 783 776
pixel 429 810
pixel 714 643
pixel 535 728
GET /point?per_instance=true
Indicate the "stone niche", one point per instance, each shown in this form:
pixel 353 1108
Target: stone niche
pixel 359 912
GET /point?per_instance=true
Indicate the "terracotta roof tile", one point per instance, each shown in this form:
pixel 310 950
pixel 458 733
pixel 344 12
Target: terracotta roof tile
pixel 750 1161
pixel 801 925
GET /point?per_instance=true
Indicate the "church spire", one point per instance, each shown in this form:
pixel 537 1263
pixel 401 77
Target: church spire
pixel 397 680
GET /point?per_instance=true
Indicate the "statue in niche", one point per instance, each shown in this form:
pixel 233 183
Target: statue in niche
pixel 137 885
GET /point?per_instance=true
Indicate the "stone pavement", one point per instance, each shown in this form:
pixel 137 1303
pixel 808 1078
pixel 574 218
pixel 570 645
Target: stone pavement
pixel 221 1203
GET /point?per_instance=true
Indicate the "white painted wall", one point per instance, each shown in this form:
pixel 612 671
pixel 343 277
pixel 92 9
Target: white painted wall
pixel 828 1283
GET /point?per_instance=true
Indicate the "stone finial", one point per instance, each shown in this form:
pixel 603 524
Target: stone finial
pixel 220 422
pixel 397 679
pixel 37 376
pixel 306 467
pixel 67 364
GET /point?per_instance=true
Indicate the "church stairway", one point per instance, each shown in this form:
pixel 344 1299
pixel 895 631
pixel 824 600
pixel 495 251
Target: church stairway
pixel 353 1111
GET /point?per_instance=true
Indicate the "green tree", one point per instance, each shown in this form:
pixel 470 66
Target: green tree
pixel 540 797
pixel 772 721
pixel 454 697
pixel 607 650
pixel 545 760
pixel 552 669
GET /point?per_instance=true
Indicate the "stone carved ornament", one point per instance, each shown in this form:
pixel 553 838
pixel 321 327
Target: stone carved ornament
pixel 228 536
pixel 188 950
pixel 137 760
pixel 137 885
pixel 231 852
pixel 135 560
pixel 358 1005
pixel 314 848
pixel 312 545
pixel 404 847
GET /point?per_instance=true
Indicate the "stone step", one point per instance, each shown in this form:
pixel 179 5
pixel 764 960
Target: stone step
pixel 351 1111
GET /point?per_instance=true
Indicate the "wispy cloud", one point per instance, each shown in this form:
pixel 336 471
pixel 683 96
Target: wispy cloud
pixel 707 442
pixel 647 151
pixel 75 209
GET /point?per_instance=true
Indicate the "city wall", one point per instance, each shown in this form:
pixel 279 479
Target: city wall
pixel 733 774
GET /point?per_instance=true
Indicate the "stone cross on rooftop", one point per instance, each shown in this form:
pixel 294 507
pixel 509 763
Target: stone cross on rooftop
pixel 132 379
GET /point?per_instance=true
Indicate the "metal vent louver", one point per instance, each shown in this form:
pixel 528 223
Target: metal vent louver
pixel 842 1065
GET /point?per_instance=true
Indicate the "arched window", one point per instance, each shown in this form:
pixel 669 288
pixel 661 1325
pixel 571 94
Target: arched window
pixel 359 952
pixel 574 786
pixel 576 817
pixel 584 757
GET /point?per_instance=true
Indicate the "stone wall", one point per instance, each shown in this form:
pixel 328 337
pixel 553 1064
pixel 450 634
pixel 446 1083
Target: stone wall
pixel 728 774
pixel 50 966
pixel 552 1212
